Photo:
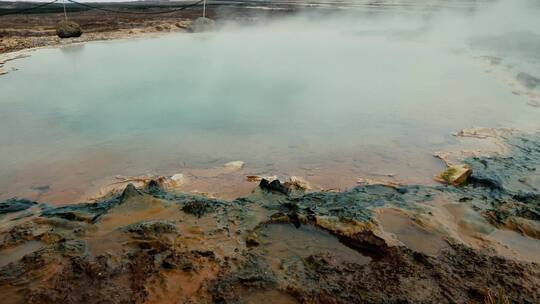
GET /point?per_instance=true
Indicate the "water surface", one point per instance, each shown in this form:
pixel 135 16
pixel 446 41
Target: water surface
pixel 327 100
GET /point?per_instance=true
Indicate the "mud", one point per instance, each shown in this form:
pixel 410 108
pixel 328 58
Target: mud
pixel 372 244
pixel 15 205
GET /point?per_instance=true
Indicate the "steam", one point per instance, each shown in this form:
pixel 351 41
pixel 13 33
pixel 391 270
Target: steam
pixel 445 22
pixel 367 88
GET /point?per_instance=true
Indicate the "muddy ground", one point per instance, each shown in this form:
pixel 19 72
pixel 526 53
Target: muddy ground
pixel 373 244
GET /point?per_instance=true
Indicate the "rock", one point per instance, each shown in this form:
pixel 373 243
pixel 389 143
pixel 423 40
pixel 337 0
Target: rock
pixel 258 178
pixel 88 212
pixel 297 183
pixel 202 24
pixel 234 165
pixel 154 186
pixel 15 205
pixel 529 81
pixel 129 192
pixel 252 240
pixel 68 29
pixel 455 175
pixel 274 186
pixel 76 213
pixel 198 207
pixel 271 183
pixel 178 177
pixel 174 181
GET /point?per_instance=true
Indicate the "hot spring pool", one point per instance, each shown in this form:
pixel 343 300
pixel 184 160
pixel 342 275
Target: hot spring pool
pixel 328 102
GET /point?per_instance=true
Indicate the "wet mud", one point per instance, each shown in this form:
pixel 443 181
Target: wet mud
pixel 372 244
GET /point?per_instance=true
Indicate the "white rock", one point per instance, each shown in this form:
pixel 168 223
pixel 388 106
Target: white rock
pixel 235 165
pixel 178 177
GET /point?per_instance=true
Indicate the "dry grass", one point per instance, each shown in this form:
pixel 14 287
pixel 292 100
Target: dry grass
pixel 501 298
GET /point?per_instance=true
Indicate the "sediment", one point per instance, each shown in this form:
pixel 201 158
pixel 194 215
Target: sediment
pixel 152 245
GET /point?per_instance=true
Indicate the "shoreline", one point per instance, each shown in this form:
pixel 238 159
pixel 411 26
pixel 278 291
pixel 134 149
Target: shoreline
pixel 23 32
pixel 69 42
pixel 410 234
pixel 121 34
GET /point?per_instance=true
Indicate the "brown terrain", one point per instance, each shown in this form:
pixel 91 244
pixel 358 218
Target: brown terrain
pixel 376 243
pixel 24 31
pixel 19 32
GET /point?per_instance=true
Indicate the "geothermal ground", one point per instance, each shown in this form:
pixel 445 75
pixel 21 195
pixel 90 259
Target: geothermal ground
pixel 372 244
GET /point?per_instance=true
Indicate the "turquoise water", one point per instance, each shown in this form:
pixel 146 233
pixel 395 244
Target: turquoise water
pixel 286 98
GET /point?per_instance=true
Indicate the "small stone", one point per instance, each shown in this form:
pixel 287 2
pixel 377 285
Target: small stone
pixel 455 175
pixel 258 178
pixel 297 183
pixel 235 165
pixel 252 240
pixel 274 186
pixel 177 177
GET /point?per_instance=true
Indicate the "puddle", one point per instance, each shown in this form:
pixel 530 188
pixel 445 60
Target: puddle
pixel 468 221
pixel 109 243
pixel 108 236
pixel 134 211
pixel 516 245
pixel 409 233
pixel 283 242
pixel 16 253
